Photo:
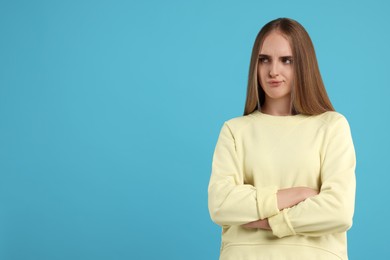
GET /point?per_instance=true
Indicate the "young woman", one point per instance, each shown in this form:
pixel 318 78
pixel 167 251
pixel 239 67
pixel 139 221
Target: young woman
pixel 283 175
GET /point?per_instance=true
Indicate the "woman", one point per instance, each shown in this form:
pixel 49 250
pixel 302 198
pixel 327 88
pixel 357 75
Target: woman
pixel 283 175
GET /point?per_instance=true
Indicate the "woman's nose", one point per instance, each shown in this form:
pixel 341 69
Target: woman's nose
pixel 274 71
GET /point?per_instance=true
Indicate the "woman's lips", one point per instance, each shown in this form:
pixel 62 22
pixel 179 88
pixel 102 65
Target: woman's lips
pixel 275 83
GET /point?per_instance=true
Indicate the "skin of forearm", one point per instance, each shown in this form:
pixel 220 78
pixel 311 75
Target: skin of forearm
pixel 292 196
pixel 286 198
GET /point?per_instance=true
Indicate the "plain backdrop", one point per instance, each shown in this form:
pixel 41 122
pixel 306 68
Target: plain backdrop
pixel 110 112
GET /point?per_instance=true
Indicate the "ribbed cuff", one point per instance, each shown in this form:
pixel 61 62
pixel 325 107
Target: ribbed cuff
pixel 280 225
pixel 267 202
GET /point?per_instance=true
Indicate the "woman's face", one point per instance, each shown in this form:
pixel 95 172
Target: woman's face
pixel 275 69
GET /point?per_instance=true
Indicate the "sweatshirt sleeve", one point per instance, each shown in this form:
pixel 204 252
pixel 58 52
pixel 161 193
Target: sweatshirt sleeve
pixel 230 201
pixel 330 211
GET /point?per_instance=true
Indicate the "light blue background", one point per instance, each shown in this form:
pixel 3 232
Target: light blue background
pixel 110 111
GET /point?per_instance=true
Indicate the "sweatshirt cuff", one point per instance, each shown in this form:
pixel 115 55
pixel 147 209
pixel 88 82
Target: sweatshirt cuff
pixel 267 203
pixel 280 224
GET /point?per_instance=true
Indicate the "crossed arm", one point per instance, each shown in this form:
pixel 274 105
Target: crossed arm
pixel 286 198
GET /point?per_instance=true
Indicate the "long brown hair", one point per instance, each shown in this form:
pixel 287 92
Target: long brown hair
pixel 308 94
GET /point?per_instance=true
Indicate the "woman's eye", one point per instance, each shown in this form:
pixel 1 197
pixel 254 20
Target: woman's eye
pixel 263 60
pixel 287 61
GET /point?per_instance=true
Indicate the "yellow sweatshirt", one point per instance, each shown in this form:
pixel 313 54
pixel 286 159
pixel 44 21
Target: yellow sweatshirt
pixel 258 154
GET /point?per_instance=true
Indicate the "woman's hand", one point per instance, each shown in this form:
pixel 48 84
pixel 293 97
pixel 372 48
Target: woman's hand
pixel 286 199
pixel 261 223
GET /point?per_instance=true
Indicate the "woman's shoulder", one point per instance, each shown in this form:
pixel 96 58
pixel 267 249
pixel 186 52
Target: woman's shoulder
pixel 238 122
pixel 332 119
pixel 331 116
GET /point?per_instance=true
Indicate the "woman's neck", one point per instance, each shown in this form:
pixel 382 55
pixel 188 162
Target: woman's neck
pixel 276 107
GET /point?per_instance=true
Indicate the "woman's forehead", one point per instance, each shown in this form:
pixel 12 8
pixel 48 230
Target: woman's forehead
pixel 275 43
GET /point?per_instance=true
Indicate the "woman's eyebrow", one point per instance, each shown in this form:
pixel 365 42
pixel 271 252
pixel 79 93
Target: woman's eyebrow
pixel 281 57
